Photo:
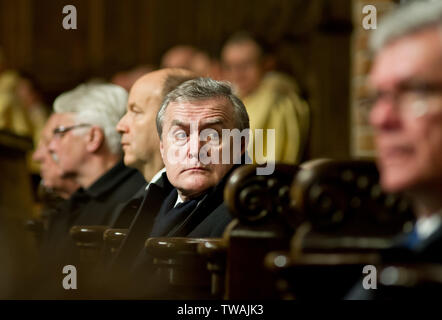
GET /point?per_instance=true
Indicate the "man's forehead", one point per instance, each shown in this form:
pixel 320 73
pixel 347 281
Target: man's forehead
pixel 144 93
pixel 63 118
pixel 217 108
pixel 246 47
pixel 411 58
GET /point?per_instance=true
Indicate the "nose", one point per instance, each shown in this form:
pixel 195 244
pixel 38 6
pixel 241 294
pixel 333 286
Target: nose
pixel 121 125
pixel 384 116
pixel 37 156
pixel 194 145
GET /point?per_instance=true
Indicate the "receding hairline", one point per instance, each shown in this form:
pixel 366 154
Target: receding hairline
pixel 203 101
pixel 158 78
pixel 196 101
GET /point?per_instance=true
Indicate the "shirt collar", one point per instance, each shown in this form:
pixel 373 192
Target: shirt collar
pixel 426 226
pixel 156 177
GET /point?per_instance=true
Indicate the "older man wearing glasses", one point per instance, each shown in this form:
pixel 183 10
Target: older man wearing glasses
pixel 407 117
pixel 406 80
pixel 87 149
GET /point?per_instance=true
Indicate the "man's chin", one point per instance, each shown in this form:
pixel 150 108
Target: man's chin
pixel 129 161
pixel 396 182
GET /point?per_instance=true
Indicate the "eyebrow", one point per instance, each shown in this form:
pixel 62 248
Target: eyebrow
pixel 209 122
pixel 132 105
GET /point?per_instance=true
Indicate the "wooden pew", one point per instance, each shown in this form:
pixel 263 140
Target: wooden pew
pixel 264 221
pixel 89 241
pixel 347 223
pixel 182 269
pixel 113 239
pixel 409 281
pixel 230 266
pixel 17 247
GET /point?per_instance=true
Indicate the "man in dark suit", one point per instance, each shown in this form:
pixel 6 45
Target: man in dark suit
pixel 407 114
pixel 194 124
pixel 141 144
pixel 406 78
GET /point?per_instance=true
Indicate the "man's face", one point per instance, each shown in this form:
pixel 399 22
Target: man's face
pixel 68 148
pixel 139 139
pixel 243 66
pixel 181 146
pixel 408 139
pixel 49 169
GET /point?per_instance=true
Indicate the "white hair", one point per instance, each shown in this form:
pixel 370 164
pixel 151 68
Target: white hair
pixel 97 104
pixel 408 19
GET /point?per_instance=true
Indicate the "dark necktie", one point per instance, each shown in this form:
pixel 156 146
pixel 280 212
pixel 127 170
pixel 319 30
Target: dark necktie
pixel 169 218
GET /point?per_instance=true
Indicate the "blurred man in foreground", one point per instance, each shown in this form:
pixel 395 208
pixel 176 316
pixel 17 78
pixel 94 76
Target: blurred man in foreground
pixel 406 78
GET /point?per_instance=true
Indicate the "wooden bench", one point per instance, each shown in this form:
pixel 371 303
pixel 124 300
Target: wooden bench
pixel 347 223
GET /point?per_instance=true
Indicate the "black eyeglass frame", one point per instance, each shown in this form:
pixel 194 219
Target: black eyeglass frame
pixel 62 129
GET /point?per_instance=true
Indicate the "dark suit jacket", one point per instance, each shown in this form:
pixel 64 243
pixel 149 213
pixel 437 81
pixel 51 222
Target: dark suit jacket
pixel 208 219
pixel 426 251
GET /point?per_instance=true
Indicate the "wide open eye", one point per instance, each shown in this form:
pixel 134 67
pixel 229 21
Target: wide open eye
pixel 179 137
pixel 213 138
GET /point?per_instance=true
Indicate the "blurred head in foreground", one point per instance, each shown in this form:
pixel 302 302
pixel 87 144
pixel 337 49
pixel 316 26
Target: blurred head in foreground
pixel 406 79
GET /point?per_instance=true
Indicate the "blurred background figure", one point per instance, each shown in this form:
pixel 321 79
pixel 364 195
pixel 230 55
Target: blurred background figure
pixel 193 59
pixel 31 100
pixel 272 99
pixel 179 56
pixel 127 78
pixel 13 115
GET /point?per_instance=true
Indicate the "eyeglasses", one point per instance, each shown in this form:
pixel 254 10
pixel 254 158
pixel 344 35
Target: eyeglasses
pixel 410 100
pixel 62 130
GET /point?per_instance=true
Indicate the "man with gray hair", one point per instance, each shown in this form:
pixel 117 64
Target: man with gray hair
pixel 191 123
pixel 86 147
pixel 406 79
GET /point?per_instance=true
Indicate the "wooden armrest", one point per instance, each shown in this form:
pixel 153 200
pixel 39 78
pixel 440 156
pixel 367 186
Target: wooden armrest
pixel 213 249
pixel 88 236
pixel 114 237
pixel 403 275
pixel 34 225
pixel 181 262
pixel 279 260
pixel 179 246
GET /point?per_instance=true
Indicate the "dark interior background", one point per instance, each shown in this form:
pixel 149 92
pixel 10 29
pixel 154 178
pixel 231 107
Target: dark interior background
pixel 311 40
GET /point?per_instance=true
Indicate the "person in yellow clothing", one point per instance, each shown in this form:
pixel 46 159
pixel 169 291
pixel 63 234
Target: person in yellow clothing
pixel 13 116
pixel 22 111
pixel 272 101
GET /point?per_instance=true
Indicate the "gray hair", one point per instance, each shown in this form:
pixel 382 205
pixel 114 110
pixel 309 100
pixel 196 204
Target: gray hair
pixel 97 104
pixel 202 89
pixel 408 19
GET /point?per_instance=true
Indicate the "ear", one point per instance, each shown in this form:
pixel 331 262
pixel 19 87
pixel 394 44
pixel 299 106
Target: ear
pixel 95 139
pixel 162 150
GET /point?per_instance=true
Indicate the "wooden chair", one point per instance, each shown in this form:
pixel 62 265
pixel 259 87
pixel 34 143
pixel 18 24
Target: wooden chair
pixel 264 221
pixel 89 241
pixel 180 269
pixel 347 222
pixel 409 281
pixel 113 239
